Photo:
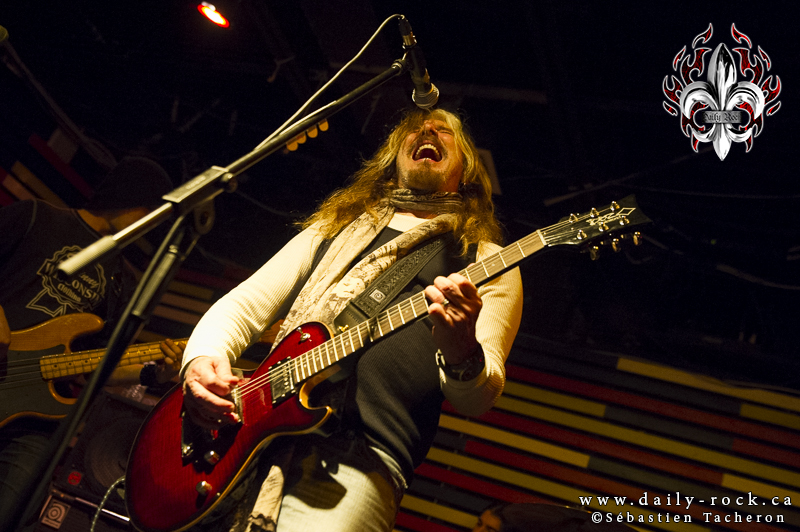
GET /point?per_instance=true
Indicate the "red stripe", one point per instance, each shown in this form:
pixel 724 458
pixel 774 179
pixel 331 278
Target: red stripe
pixel 422 525
pixel 765 451
pixel 651 405
pixel 203 279
pixel 237 272
pixel 475 485
pixel 5 199
pixel 581 441
pixel 63 168
pixel 563 473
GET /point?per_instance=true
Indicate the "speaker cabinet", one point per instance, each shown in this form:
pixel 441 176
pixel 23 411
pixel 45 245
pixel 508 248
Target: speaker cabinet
pixel 100 455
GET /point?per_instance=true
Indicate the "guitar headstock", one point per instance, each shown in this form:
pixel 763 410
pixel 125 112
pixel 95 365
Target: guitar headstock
pixel 609 226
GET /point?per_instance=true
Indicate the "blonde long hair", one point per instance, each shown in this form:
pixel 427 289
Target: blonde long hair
pixel 377 177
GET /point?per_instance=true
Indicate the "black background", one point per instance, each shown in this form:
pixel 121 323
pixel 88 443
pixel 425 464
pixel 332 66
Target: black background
pixel 566 96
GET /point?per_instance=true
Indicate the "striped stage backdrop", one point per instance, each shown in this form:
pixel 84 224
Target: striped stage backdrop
pixel 615 435
pixel 620 436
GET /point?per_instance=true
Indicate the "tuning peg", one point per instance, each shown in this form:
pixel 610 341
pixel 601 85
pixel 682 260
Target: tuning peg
pixel 594 213
pixel 614 206
pixel 594 252
pixel 573 218
pixel 293 144
pixel 615 245
pixel 637 238
pixel 313 132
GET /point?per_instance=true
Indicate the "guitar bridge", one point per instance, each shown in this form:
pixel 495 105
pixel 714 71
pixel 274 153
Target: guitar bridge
pixel 281 383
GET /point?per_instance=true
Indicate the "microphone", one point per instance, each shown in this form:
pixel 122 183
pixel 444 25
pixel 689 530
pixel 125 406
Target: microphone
pixel 425 93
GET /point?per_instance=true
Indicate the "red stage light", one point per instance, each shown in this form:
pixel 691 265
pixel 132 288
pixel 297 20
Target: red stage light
pixel 211 13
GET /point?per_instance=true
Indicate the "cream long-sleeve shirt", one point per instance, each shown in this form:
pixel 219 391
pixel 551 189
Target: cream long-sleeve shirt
pixel 241 316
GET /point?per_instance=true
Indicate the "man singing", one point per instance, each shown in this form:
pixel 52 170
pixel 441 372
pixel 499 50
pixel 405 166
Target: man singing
pixel 426 181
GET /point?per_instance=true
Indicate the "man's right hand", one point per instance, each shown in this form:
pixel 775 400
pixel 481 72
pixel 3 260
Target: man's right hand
pixel 206 383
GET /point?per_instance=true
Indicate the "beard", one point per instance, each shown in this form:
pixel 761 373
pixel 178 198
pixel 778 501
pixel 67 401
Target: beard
pixel 424 179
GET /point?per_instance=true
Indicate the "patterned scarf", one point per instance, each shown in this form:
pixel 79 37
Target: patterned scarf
pixel 331 286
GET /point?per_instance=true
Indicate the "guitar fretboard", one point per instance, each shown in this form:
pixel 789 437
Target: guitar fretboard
pixel 58 366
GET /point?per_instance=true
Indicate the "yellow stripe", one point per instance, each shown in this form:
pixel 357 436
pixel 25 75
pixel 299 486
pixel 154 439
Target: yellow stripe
pixel 35 184
pixel 192 290
pixel 761 489
pixel 16 188
pixel 146 336
pixel 540 485
pixel 185 303
pixel 438 511
pixel 176 315
pixel 665 373
pixel 510 439
pixel 651 441
pixel 187 289
pixel 569 402
pixel 769 415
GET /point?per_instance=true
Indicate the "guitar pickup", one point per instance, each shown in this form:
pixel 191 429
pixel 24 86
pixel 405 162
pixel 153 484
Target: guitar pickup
pixel 236 395
pixel 281 383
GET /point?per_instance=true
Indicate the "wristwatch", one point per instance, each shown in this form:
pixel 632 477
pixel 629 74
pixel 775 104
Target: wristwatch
pixel 466 370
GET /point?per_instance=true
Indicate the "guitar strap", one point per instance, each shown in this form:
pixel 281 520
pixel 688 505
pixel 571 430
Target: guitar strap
pixel 386 287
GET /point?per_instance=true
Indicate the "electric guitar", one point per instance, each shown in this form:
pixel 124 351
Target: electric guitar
pixel 178 472
pixel 41 354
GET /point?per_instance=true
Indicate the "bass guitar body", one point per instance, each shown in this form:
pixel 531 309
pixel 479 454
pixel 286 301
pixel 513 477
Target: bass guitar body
pixel 23 389
pixel 178 472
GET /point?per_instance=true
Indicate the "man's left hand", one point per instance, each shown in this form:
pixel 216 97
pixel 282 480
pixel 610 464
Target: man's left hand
pixel 455 305
pixel 169 367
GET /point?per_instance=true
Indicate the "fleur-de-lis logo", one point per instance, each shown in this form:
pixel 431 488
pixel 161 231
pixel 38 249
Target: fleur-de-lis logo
pixel 722 110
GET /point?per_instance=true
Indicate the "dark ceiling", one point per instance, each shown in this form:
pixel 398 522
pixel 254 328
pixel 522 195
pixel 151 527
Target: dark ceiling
pixel 565 95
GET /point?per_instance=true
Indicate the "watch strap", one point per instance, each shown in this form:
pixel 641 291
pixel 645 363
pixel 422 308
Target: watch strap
pixel 466 370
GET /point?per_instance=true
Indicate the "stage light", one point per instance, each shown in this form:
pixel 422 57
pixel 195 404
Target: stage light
pixel 211 13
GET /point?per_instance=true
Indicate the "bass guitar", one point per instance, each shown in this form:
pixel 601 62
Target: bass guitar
pixel 177 472
pixel 41 354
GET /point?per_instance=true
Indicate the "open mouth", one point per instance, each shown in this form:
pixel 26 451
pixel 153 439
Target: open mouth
pixel 427 151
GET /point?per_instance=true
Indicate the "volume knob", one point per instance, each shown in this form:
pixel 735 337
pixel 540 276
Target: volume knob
pixel 212 457
pixel 203 488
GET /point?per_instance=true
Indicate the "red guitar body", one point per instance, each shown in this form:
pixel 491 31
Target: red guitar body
pixel 166 490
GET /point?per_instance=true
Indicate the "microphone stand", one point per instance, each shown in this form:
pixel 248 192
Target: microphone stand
pixel 192 197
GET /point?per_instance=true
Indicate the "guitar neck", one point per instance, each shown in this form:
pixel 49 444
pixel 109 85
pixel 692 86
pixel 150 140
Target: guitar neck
pixel 353 339
pixel 576 231
pixel 79 362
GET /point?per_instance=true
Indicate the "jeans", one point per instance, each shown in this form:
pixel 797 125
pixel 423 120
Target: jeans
pixel 22 443
pixel 342 483
pixel 336 484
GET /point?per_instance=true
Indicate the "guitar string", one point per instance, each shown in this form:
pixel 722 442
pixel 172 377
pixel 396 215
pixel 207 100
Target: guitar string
pixel 308 358
pixel 25 371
